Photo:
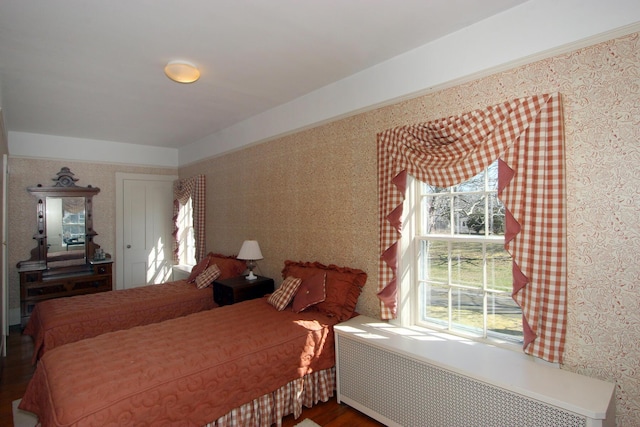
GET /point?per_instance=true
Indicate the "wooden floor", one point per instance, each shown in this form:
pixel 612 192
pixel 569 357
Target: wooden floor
pixel 16 370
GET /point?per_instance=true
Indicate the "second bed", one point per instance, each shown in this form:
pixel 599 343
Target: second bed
pixel 65 320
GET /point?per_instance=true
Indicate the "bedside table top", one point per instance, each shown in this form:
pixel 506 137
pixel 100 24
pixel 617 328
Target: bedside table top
pixel 240 281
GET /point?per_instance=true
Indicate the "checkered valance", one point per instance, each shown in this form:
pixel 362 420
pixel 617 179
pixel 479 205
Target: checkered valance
pixel 527 136
pixel 183 190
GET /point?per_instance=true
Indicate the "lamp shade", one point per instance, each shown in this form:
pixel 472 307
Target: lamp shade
pixel 250 250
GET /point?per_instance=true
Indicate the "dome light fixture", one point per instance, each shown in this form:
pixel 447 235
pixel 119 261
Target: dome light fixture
pixel 182 71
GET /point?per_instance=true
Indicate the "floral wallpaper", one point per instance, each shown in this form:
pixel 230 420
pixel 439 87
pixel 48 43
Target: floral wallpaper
pixel 312 196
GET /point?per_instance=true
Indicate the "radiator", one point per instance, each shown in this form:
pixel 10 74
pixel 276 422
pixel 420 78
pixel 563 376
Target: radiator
pixel 403 378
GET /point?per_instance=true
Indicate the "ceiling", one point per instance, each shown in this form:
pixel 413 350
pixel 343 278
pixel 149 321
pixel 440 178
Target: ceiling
pixel 93 69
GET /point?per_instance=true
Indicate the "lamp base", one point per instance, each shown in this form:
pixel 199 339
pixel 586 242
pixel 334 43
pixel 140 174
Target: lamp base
pixel 251 276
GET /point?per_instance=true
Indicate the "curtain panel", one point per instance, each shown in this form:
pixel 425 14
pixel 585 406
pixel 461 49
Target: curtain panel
pixel 73 204
pixel 527 136
pixel 183 190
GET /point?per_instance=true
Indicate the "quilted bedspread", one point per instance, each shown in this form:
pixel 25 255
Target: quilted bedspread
pixel 187 371
pixel 64 320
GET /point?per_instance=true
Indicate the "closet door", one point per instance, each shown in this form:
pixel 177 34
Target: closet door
pixel 146 245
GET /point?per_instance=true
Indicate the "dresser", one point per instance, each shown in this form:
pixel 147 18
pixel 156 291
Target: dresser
pixel 65 260
pixel 42 284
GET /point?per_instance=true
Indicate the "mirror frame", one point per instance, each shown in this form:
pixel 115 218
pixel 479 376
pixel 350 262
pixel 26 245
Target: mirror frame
pixel 65 186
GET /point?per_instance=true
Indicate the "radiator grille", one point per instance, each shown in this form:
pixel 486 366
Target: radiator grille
pixel 412 393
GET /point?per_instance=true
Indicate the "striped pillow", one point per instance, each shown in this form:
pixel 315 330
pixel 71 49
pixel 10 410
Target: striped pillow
pixel 205 278
pixel 197 269
pixel 281 298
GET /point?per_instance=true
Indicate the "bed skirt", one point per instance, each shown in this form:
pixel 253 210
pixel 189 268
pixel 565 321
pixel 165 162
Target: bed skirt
pixel 270 408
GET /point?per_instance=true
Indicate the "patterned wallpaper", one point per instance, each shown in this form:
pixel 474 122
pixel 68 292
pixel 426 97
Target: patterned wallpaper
pixel 312 196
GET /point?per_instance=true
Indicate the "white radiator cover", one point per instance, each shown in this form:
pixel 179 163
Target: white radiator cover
pixel 406 378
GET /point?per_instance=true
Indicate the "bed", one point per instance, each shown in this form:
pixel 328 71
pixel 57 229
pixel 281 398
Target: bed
pixel 248 364
pixel 65 320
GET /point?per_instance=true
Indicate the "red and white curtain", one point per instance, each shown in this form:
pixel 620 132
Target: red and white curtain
pixel 193 188
pixel 73 204
pixel 527 136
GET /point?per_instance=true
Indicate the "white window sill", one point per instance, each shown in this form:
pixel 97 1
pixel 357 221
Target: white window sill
pixel 181 271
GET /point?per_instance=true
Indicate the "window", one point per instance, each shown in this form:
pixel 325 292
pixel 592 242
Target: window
pixel 463 275
pixel 187 243
pixel 73 227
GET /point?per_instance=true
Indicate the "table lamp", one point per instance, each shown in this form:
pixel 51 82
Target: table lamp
pixel 250 251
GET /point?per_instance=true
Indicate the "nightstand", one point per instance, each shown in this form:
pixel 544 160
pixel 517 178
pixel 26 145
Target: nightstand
pixel 236 289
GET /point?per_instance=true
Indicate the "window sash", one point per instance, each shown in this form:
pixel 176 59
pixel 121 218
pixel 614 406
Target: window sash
pixel 482 187
pixel 186 239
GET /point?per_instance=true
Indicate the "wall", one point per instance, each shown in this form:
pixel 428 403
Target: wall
pixel 24 172
pixel 3 315
pixel 312 196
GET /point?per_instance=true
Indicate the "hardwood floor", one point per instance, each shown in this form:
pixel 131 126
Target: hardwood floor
pixel 16 370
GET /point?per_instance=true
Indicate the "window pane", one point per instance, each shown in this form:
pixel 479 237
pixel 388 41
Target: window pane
pixel 428 188
pixel 474 184
pixel 186 234
pixel 434 304
pixel 469 213
pixel 466 311
pixel 504 317
pixel 437 214
pixel 499 268
pixel 433 261
pixel 496 215
pixel 466 264
pixel 492 177
pixel 190 247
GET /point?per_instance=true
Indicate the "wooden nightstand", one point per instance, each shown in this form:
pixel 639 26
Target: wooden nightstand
pixel 236 289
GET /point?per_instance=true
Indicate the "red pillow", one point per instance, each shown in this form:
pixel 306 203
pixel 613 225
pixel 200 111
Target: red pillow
pixel 310 292
pixel 197 269
pixel 229 266
pixel 343 286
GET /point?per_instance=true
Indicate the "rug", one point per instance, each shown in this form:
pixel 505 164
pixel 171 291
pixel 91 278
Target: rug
pixel 306 423
pixel 22 418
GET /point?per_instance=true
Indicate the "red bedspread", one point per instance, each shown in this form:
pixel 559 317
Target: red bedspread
pixel 189 370
pixel 65 320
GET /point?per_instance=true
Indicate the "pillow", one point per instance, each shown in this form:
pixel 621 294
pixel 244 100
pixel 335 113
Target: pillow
pixel 229 266
pixel 205 278
pixel 310 292
pixel 197 269
pixel 281 298
pixel 343 286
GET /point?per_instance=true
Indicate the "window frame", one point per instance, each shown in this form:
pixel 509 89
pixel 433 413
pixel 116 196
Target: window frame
pixel 408 314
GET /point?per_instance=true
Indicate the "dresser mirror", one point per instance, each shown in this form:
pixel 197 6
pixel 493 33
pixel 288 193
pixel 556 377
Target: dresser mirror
pixel 66 228
pixel 64 224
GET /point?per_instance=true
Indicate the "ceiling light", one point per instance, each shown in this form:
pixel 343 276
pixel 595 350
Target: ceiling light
pixel 182 71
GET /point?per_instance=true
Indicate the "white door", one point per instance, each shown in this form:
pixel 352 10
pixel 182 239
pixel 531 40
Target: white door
pixel 146 245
